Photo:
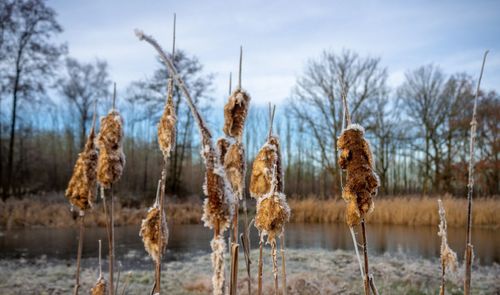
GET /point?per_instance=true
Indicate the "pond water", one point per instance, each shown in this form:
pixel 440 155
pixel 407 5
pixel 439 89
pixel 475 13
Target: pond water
pixel 188 240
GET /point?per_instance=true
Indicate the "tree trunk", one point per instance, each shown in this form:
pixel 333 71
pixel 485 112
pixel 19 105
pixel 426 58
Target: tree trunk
pixel 10 160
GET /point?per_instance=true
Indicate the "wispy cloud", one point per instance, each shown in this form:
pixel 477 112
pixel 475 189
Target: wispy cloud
pixel 280 36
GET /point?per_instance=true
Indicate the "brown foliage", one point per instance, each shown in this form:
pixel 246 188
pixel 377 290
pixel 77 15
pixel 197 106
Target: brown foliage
pixel 150 233
pixel 111 158
pixel 166 128
pixel 235 113
pixel 81 189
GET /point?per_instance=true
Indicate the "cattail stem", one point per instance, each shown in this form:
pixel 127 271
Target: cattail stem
pixel 100 260
pixel 109 234
pixel 372 286
pixel 79 253
pixel 259 274
pixel 443 282
pixel 234 269
pixel 365 254
pixel 111 243
pixel 283 263
pixel 245 241
pixel 274 256
pixel 355 243
pixel 345 106
pixel 468 243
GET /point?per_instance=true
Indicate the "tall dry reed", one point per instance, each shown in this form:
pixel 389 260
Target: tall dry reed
pixel 219 200
pixel 81 190
pixel 110 167
pixel 448 256
pixel 470 188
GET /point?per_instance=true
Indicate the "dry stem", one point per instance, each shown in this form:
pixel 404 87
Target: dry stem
pixel 80 249
pixel 283 262
pixel 365 254
pixel 468 243
pixel 259 274
pixel 234 268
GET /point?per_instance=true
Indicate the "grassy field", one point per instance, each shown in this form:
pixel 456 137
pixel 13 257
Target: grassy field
pixel 399 210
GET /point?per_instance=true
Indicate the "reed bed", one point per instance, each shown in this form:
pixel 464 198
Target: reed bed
pixel 397 210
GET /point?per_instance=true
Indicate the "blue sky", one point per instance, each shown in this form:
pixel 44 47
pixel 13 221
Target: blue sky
pixel 279 37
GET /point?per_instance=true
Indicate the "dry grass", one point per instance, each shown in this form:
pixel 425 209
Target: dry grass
pixel 399 210
pixel 37 212
pixel 395 210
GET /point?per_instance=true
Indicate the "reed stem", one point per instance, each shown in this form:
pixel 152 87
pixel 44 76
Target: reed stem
pixel 470 191
pixel 234 269
pixel 283 263
pixel 112 244
pixel 274 257
pixel 259 274
pixel 365 254
pixel 108 231
pixel 79 253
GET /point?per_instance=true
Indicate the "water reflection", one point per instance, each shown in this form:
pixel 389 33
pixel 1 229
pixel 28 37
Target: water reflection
pixel 186 240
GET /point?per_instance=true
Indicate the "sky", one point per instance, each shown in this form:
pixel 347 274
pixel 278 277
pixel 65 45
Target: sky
pixel 279 37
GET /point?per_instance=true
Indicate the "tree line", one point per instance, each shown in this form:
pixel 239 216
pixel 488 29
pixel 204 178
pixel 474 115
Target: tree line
pixel 418 130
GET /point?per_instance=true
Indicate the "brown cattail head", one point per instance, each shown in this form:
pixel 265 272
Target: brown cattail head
pixel 267 164
pixel 362 181
pixel 234 165
pixel 352 215
pixel 81 189
pixel 216 209
pixel 150 233
pixel 99 288
pixel 448 256
pixel 222 146
pixel 166 128
pixel 272 214
pixel 235 113
pixel 111 158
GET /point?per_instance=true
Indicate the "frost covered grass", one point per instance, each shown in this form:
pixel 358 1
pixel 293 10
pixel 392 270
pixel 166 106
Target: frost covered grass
pixel 309 272
pixel 411 210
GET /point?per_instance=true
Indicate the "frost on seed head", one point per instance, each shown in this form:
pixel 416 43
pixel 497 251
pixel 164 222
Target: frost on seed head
pixel 235 113
pixel 166 128
pixel 362 181
pixel 81 189
pixel 266 169
pixel 448 256
pixel 99 288
pixel 111 159
pixel 150 233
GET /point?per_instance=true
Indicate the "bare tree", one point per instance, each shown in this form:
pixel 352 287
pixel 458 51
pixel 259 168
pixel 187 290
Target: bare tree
pixel 82 84
pixel 316 99
pixel 423 102
pixel 29 60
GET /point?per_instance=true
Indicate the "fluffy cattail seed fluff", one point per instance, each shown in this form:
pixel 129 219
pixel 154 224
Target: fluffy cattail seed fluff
pixel 99 288
pixel 82 185
pixel 264 167
pixel 362 181
pixel 235 113
pixel 166 128
pixel 272 214
pixel 234 164
pixel 150 233
pixel 111 158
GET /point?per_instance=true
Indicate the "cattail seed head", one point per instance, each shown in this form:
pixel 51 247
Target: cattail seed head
pixel 166 128
pixel 267 164
pixel 216 208
pixel 222 146
pixel 111 158
pixel 448 256
pixel 99 288
pixel 81 189
pixel 362 181
pixel 235 113
pixel 272 214
pixel 150 233
pixel 234 165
